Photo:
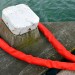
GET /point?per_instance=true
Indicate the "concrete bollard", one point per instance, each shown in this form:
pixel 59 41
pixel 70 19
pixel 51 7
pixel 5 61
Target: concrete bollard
pixel 19 41
pixel 20 19
pixel 19 28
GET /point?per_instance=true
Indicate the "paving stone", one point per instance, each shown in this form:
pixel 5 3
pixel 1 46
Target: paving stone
pixel 63 31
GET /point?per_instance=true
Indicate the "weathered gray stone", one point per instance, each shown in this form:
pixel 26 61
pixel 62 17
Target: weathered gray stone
pixel 18 41
pixel 63 31
pixel 66 72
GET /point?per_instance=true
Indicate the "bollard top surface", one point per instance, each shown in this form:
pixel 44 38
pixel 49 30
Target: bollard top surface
pixel 20 18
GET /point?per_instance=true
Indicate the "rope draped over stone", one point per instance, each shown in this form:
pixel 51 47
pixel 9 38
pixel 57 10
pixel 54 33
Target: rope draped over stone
pixel 39 61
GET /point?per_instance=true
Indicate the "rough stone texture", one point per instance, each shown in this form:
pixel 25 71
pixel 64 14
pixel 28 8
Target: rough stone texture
pixel 66 72
pixel 64 32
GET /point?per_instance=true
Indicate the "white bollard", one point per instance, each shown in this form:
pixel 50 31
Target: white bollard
pixel 20 19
